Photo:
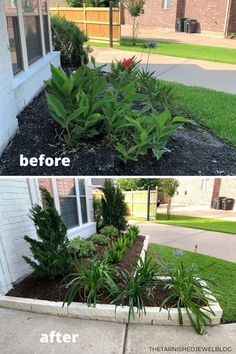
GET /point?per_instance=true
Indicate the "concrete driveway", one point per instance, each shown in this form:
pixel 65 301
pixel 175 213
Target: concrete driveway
pixel 20 333
pixel 215 244
pixel 190 72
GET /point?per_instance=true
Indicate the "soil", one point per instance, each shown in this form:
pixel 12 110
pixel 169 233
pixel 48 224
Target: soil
pixel 192 150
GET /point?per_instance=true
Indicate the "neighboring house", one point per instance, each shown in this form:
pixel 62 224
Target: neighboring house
pixel 73 199
pixel 214 16
pixel 25 55
pixel 202 191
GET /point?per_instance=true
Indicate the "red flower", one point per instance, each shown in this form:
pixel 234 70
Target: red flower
pixel 127 63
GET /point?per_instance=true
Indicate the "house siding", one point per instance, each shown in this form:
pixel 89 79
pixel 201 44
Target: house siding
pixel 16 92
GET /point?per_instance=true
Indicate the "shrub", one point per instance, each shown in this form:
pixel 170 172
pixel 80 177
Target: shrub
pixel 97 208
pixel 100 239
pixel 189 291
pixel 81 248
pixel 113 206
pixel 89 282
pixel 110 231
pixel 51 257
pixel 69 40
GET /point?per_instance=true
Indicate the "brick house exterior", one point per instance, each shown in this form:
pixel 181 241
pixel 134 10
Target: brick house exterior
pixel 216 16
pixel 17 196
pixel 202 191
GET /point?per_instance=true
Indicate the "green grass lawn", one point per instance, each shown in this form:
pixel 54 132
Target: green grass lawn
pixel 212 109
pixel 191 51
pixel 207 224
pixel 199 223
pixel 221 272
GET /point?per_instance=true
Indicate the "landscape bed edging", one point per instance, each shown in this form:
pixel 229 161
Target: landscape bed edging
pixel 105 312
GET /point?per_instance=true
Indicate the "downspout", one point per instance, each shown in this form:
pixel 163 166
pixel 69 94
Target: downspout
pixel 226 25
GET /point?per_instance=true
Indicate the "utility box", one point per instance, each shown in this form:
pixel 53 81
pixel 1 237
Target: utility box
pixel 190 26
pixel 228 204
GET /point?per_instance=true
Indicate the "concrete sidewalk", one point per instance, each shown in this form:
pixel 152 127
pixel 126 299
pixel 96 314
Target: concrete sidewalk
pixel 168 35
pixel 215 244
pixel 190 72
pixel 20 333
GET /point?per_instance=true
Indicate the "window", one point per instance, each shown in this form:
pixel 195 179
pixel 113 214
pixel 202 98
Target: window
pixel 204 185
pixel 28 31
pixel 13 35
pixel 83 203
pixel 68 201
pixel 166 4
pixel 32 29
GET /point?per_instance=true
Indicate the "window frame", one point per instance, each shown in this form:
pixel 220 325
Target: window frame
pixel 24 56
pixel 166 4
pixel 57 203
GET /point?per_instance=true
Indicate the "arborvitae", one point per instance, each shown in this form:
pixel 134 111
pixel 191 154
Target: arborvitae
pixel 113 206
pixel 51 257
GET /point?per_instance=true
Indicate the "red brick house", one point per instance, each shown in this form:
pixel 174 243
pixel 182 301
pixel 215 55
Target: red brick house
pixel 218 16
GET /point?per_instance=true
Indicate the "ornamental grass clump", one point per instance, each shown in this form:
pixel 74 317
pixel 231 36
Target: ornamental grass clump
pixel 188 291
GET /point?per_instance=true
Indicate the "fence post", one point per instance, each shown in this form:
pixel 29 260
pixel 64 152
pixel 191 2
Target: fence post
pixel 85 20
pixel 148 203
pixel 111 23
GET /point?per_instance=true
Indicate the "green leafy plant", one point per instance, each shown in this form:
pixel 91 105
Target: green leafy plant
pixel 97 207
pixel 110 231
pixel 138 287
pixel 73 101
pixel 150 132
pixel 69 40
pixel 128 66
pixel 50 254
pixel 131 235
pixel 113 206
pixel 81 248
pixel 116 251
pixel 99 239
pixel 191 292
pixel 90 281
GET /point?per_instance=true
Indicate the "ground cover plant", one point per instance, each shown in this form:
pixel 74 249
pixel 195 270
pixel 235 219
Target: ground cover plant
pixel 81 248
pixel 182 50
pixel 222 273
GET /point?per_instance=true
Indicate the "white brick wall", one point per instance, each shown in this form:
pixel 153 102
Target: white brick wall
pixel 16 200
pixel 14 224
pixel 16 92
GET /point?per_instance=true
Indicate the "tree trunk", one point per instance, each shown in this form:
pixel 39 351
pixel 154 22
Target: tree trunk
pixel 168 208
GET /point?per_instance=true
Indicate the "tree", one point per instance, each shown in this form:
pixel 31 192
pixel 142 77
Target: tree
pixel 169 186
pixel 113 206
pixel 135 8
pixel 131 184
pixel 51 257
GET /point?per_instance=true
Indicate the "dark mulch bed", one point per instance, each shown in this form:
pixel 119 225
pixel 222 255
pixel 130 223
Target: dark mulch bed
pixel 192 151
pixel 38 287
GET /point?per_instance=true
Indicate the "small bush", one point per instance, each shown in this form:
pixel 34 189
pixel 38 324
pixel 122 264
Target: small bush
pixel 69 40
pixel 110 231
pixel 100 239
pixel 81 248
pixel 97 207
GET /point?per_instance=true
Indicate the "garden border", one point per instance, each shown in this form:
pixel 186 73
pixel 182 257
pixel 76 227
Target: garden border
pixel 105 312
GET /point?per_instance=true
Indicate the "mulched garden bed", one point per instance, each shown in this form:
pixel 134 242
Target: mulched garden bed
pixel 36 286
pixel 192 150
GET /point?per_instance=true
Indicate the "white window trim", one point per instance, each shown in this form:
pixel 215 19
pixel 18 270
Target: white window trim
pixel 166 4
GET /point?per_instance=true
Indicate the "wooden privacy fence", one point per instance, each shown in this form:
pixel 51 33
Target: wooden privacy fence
pixel 94 21
pixel 137 203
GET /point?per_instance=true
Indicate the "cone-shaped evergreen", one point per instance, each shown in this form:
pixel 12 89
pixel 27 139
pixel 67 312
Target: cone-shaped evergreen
pixel 113 206
pixel 51 257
